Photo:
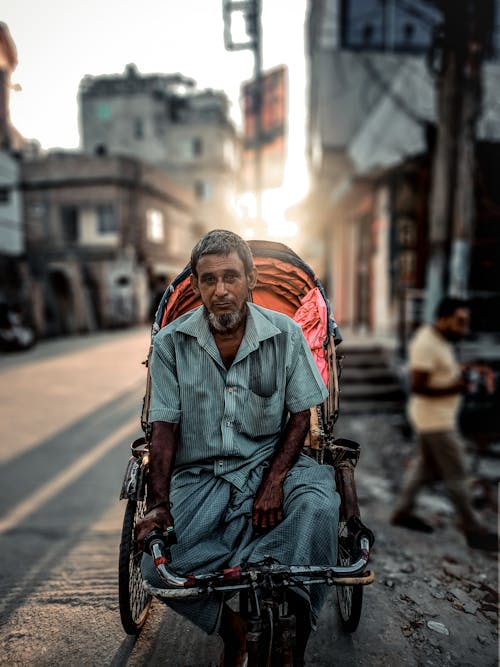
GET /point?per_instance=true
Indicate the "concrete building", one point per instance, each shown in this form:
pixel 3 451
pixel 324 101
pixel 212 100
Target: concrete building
pixel 11 212
pixel 14 275
pixel 371 131
pixel 166 121
pixel 101 231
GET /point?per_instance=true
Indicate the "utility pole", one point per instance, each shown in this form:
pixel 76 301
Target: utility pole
pixel 479 17
pixel 459 48
pixel 252 11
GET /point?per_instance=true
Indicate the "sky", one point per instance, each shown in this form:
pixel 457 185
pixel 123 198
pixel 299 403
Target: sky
pixel 60 41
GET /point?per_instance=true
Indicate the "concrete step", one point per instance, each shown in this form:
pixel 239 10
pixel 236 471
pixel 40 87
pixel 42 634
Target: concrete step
pixel 367 383
pixel 379 392
pixel 367 407
pixel 372 375
pixel 365 360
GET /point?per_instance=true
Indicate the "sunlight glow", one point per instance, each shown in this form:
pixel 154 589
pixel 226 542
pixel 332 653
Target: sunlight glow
pixel 248 233
pixel 274 205
pixel 275 202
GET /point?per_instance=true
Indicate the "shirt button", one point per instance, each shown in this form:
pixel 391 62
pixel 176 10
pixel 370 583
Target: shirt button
pixel 230 390
pixel 228 423
pixel 220 464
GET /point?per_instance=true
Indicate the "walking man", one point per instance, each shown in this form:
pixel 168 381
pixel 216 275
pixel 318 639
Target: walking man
pixel 437 382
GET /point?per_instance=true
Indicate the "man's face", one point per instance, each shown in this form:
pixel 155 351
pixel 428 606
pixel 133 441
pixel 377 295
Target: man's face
pixel 456 326
pixel 223 287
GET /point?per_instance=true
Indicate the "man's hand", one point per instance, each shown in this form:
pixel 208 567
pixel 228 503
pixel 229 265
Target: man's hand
pixel 159 517
pixel 479 373
pixel 268 505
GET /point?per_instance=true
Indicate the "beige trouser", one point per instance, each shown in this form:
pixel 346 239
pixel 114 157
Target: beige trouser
pixel 441 455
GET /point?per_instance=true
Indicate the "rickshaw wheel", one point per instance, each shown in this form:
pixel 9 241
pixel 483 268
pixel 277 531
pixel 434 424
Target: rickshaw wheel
pixel 134 601
pixel 349 598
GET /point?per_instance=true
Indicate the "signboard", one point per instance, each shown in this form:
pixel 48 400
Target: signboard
pixel 405 26
pixel 274 93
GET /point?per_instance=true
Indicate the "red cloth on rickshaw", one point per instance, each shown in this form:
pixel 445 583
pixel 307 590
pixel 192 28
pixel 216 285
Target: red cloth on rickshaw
pixel 313 318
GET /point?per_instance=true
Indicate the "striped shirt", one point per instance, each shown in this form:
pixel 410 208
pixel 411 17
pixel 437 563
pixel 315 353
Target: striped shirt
pixel 230 420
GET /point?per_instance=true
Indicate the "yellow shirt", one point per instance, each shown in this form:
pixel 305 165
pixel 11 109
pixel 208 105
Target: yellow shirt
pixel 432 353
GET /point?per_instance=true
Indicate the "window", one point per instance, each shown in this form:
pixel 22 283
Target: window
pixel 192 148
pixel 4 195
pixel 154 225
pixel 106 219
pixel 122 281
pixel 202 190
pixel 391 25
pixel 69 223
pixel 197 147
pixel 89 224
pixel 103 111
pixel 37 210
pixel 138 128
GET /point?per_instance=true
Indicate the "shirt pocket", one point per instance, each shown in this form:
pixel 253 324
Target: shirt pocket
pixel 262 415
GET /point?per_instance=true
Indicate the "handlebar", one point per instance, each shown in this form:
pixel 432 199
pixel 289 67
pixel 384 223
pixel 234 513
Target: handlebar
pixel 158 545
pixel 251 575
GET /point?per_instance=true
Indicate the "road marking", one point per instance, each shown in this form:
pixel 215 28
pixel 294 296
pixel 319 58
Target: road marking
pixel 65 477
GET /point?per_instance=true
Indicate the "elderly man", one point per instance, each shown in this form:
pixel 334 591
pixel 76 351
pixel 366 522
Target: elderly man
pixel 232 385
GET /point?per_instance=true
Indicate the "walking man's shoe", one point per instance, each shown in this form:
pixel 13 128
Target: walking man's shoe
pixel 411 521
pixel 487 541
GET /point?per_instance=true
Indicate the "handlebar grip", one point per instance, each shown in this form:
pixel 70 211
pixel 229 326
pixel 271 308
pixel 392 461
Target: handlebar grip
pixel 158 543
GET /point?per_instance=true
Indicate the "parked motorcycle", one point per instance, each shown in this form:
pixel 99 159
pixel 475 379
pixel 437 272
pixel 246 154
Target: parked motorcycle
pixel 15 335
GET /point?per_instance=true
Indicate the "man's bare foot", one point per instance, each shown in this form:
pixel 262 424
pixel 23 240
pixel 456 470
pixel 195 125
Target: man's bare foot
pixel 233 630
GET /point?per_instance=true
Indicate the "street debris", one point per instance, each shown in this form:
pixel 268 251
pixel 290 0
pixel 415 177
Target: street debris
pixel 438 627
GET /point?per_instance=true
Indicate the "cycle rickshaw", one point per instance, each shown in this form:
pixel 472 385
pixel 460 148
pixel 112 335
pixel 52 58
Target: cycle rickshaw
pixel 287 284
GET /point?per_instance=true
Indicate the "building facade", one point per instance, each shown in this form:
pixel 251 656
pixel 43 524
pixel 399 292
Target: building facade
pixel 372 114
pixel 101 232
pixel 15 286
pixel 164 120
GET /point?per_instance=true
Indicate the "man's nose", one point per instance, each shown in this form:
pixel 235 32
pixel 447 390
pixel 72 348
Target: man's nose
pixel 220 287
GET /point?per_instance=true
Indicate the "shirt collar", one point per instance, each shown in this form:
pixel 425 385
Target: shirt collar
pixel 258 328
pixel 196 325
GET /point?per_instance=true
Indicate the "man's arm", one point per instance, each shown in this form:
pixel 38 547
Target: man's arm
pixel 268 503
pixel 162 452
pixel 419 383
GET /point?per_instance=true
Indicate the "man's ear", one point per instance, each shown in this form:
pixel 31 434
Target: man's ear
pixel 252 279
pixel 194 284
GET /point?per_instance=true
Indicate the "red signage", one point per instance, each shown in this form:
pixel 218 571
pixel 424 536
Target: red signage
pixel 274 87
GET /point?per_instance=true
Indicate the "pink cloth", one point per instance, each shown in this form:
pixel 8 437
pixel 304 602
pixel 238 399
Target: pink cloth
pixel 312 317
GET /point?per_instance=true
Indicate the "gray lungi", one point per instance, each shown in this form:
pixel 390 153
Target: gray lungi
pixel 213 522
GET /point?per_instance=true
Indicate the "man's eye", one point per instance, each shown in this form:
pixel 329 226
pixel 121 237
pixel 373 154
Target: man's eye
pixel 230 278
pixel 209 280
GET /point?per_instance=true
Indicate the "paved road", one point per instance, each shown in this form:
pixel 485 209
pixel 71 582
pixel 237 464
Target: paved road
pixel 69 410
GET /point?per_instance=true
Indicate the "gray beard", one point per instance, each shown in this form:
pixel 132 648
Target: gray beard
pixel 224 323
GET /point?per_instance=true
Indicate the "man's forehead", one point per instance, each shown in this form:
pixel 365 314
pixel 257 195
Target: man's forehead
pixel 220 262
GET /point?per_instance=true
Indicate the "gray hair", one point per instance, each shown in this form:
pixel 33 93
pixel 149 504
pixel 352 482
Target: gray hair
pixel 222 242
